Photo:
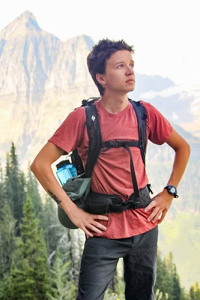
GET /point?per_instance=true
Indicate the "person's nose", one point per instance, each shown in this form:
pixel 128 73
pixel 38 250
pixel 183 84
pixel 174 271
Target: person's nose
pixel 130 70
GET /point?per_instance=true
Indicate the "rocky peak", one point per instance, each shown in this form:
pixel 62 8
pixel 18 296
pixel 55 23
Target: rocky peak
pixel 20 26
pixel 41 80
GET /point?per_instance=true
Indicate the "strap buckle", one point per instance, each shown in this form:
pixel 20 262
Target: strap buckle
pixel 114 144
pixel 135 205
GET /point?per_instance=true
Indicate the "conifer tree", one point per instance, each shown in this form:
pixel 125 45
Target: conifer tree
pixel 63 288
pixel 1 191
pixel 7 184
pixel 167 278
pixel 7 240
pixel 32 280
pixel 175 288
pixel 21 197
pixel 194 292
pixel 13 179
pixel 14 187
pixel 33 193
pixel 52 228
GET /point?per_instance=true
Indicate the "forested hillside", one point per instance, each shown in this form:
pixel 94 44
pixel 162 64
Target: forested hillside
pixel 40 259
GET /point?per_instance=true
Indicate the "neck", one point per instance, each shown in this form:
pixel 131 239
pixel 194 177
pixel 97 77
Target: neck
pixel 114 103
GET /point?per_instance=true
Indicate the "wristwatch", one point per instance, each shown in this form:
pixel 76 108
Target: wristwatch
pixel 172 190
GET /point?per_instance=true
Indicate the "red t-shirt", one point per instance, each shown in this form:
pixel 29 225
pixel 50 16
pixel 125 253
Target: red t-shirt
pixel 111 174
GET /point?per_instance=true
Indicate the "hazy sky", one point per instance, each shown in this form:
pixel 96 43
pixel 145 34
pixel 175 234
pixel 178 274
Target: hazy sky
pixel 165 33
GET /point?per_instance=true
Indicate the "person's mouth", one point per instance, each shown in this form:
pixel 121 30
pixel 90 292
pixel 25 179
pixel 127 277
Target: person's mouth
pixel 130 80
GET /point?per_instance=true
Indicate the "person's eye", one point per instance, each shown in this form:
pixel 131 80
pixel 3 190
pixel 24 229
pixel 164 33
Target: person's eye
pixel 120 66
pixel 132 66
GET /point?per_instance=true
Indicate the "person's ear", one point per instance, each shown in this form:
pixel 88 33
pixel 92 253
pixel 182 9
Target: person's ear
pixel 101 79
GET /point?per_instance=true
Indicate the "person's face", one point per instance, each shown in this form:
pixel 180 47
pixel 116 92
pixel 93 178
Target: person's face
pixel 119 74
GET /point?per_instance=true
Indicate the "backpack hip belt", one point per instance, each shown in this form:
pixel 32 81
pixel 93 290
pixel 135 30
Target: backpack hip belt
pixel 96 203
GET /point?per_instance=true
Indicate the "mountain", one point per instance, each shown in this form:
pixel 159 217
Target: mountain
pixel 43 78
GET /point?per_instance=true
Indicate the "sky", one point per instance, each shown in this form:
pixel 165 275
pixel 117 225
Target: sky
pixel 165 33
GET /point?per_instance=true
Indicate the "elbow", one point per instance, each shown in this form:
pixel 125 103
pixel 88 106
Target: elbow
pixel 34 167
pixel 40 167
pixel 188 149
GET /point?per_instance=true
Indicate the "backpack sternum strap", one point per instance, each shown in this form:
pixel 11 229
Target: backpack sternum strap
pixel 119 143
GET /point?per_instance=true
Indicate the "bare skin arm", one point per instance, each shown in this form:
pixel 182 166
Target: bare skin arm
pixel 162 201
pixel 41 167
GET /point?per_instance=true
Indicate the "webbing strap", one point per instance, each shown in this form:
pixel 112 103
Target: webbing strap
pixel 95 139
pixel 126 145
pixel 118 144
pixel 141 115
pixel 135 186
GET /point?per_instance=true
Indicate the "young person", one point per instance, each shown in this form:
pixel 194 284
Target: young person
pixel 131 234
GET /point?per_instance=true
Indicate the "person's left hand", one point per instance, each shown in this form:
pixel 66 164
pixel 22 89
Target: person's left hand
pixel 160 205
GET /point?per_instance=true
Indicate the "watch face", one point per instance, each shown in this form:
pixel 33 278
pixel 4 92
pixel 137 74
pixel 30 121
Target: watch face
pixel 172 190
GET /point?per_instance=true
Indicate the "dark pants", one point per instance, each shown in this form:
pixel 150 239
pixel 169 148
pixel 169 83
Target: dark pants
pixel 99 262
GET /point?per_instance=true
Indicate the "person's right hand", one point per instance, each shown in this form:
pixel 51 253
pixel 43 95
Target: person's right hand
pixel 87 222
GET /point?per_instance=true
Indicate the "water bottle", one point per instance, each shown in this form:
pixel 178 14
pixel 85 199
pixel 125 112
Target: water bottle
pixel 72 170
pixel 65 170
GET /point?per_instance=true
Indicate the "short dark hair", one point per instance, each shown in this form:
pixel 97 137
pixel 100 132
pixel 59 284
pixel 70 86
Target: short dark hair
pixel 99 55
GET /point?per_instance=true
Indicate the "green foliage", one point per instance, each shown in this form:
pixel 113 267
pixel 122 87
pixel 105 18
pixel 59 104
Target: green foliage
pixel 14 183
pixel 7 240
pixel 30 276
pixel 52 229
pixel 167 278
pixel 194 293
pixel 33 193
pixel 14 187
pixel 62 287
pixel 1 190
pixel 161 296
pixel 8 192
pixel 21 284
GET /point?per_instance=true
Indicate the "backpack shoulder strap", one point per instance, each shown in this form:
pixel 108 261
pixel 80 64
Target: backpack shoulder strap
pixel 95 138
pixel 141 115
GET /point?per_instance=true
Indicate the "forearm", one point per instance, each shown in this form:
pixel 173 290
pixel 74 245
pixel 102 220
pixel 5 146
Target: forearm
pixel 180 162
pixel 162 201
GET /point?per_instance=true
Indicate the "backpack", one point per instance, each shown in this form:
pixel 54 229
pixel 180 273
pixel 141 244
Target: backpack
pixel 78 188
pixel 95 139
pixel 96 143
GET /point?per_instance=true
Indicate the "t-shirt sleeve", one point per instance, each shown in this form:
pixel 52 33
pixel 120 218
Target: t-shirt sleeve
pixel 158 127
pixel 69 135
